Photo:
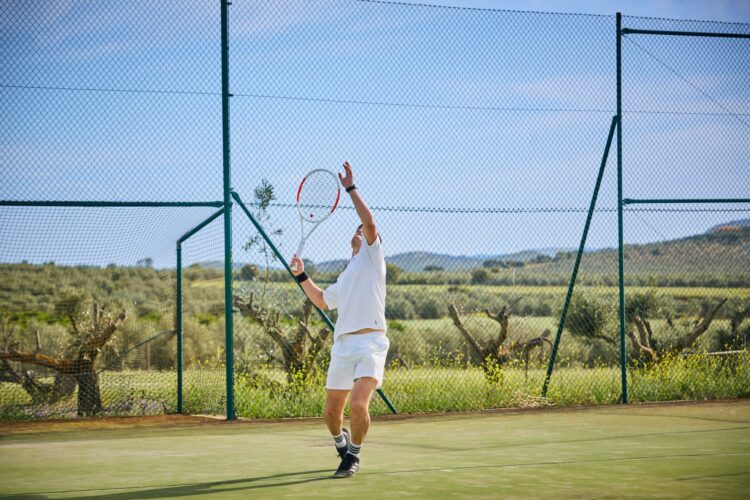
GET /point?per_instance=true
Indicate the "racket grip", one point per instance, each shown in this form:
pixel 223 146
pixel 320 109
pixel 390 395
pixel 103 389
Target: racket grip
pixel 294 266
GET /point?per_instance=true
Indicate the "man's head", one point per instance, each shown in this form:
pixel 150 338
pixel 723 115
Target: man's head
pixel 357 240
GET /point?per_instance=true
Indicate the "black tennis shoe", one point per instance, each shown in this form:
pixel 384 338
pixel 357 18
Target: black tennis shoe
pixel 349 466
pixel 342 451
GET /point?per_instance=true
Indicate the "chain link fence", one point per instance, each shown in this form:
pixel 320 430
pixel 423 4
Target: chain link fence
pixel 688 107
pixel 476 137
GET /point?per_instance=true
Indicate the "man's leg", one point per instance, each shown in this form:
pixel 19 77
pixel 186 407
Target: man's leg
pixel 360 408
pixel 333 414
pixel 360 420
pixel 334 410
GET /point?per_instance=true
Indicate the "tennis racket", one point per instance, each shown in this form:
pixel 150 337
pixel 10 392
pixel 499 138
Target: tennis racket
pixel 317 198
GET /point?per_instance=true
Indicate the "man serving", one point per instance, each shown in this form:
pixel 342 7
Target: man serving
pixel 360 344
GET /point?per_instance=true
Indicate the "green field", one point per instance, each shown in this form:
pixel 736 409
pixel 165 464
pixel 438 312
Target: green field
pixel 672 291
pixel 423 389
pixel 431 365
pixel 657 451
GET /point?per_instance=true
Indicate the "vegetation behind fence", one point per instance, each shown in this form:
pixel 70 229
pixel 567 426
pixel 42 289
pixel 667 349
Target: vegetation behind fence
pixel 476 136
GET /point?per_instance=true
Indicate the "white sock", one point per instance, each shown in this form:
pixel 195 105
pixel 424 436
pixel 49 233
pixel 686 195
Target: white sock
pixel 340 440
pixel 354 449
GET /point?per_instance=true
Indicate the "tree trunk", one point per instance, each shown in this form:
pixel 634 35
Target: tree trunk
pixel 493 354
pixel 699 329
pixel 644 340
pixel 81 368
pixel 298 358
pixel 89 397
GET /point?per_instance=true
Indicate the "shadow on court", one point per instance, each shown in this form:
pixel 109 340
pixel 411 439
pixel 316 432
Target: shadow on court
pixel 239 485
pixel 296 478
pixel 674 415
pixel 213 487
pixel 607 438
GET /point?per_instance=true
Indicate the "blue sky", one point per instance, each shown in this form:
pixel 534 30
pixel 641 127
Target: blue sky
pixel 719 10
pixel 494 120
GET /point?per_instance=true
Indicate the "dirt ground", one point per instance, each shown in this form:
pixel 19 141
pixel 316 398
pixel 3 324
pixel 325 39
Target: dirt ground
pixel 175 420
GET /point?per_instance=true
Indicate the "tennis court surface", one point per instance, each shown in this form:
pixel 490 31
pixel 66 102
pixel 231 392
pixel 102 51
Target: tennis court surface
pixel 698 450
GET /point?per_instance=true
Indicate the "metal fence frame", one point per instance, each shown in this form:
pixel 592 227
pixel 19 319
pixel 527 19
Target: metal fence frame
pixel 225 211
pixel 622 202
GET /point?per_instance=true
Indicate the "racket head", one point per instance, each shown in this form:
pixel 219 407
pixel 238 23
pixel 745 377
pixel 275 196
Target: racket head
pixel 318 195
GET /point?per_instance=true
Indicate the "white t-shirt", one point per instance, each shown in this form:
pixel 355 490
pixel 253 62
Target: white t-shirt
pixel 359 291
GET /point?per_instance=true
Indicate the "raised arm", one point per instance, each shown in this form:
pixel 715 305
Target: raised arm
pixel 365 215
pixel 313 292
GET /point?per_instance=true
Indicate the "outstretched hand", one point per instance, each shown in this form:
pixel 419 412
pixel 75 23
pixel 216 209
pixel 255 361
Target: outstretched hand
pixel 347 180
pixel 297 266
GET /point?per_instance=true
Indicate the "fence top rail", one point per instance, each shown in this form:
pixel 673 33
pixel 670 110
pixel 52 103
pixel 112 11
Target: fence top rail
pixel 106 204
pixel 687 201
pixel 633 31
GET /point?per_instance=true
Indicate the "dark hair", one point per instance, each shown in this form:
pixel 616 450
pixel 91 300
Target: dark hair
pixel 379 237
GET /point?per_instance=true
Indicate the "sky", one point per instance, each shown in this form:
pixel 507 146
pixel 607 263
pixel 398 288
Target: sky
pixel 719 10
pixel 470 131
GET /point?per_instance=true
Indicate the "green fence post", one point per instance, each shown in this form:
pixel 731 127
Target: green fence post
pixel 229 332
pixel 620 249
pixel 581 246
pixel 178 327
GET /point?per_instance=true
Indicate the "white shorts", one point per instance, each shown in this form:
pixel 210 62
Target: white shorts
pixel 357 355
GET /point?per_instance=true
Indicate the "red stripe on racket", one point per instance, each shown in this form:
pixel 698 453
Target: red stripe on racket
pixel 299 190
pixel 338 196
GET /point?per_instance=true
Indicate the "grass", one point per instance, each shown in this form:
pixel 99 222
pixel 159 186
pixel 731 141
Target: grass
pixel 421 389
pixel 437 389
pixel 656 451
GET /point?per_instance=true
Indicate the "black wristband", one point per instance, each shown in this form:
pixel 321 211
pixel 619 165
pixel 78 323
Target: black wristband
pixel 351 188
pixel 302 277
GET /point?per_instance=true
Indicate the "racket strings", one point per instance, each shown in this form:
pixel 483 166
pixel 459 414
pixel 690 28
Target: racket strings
pixel 318 196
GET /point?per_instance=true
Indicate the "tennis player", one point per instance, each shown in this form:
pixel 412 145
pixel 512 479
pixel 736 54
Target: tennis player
pixel 360 344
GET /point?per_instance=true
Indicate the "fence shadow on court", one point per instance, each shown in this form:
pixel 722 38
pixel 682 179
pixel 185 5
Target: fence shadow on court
pixel 196 489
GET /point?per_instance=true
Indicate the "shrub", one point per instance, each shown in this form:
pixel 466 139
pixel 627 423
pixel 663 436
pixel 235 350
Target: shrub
pixel 399 308
pixel 480 276
pixel 590 317
pixel 429 308
pixel 392 273
pixel 249 272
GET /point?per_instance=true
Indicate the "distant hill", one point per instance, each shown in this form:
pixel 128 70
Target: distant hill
pixel 418 261
pixel 730 225
pixel 331 266
pixel 219 264
pixel 722 249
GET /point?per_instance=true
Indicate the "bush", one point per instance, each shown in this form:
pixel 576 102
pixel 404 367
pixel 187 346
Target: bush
pixel 543 308
pixel 206 318
pixel 216 309
pixel 429 308
pixel 249 272
pixel 392 273
pixel 399 308
pixel 590 317
pixel 480 276
pixel 643 305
